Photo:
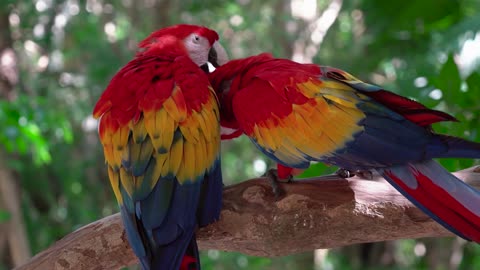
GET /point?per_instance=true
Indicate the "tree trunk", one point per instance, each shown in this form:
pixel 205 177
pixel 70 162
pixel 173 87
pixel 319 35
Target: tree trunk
pixel 318 213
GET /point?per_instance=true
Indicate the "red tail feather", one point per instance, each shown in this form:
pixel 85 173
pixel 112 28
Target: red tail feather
pixel 188 263
pixel 410 109
pixel 442 204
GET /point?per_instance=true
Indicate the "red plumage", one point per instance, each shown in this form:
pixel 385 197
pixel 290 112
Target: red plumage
pixel 146 83
pixel 432 196
pixel 283 80
pixel 274 100
pixel 299 113
pixel 179 31
pixel 410 109
pixel 159 130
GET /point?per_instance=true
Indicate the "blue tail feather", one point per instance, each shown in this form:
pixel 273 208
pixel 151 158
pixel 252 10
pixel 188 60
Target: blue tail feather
pixel 211 197
pixel 457 147
pixel 193 262
pixel 134 237
pixel 170 256
pixel 161 226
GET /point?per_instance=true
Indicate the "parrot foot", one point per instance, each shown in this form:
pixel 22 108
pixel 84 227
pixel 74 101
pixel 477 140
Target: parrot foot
pixel 344 173
pixel 272 175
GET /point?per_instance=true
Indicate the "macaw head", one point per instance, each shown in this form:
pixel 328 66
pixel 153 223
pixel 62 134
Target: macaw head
pixel 200 43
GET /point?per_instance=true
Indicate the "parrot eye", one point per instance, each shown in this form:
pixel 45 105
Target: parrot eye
pixel 196 39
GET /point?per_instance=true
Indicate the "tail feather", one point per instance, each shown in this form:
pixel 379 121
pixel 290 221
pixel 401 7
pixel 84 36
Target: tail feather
pixel 191 259
pixel 457 147
pixel 210 204
pixel 172 256
pixel 440 194
pixel 136 237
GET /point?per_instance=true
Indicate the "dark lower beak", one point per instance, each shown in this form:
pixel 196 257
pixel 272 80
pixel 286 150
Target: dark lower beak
pixel 204 67
pixel 213 58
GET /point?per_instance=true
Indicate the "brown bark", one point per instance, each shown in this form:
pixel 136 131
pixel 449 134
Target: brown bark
pixel 14 229
pixel 313 214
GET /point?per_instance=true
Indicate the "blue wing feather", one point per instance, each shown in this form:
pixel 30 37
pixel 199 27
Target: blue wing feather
pixel 156 207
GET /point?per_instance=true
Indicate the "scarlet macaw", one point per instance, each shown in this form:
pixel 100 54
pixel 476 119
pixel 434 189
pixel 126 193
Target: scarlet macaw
pixel 298 113
pixel 161 139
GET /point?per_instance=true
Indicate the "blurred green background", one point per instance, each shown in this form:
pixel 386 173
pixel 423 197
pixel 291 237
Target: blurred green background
pixel 57 56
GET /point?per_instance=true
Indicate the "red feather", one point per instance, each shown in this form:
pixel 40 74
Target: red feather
pixel 277 81
pixel 145 83
pixel 410 109
pixel 260 95
pixel 179 31
pixel 187 261
pixel 268 105
pixel 442 204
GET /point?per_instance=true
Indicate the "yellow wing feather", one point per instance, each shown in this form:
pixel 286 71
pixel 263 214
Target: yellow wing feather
pixel 175 105
pixel 115 183
pixel 127 181
pixel 182 144
pixel 189 169
pixel 201 153
pixel 190 128
pixel 316 128
pixel 138 130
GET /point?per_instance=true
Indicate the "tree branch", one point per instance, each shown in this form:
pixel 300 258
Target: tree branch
pixel 14 229
pixel 313 214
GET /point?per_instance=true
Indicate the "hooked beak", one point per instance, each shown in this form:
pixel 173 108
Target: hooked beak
pixel 212 60
pixel 213 57
pixel 217 55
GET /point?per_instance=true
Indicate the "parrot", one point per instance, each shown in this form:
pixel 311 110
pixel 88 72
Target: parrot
pixel 300 113
pixel 159 128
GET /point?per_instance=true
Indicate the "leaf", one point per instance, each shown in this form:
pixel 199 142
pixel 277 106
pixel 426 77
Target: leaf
pixel 67 131
pixel 317 169
pixel 448 80
pixel 4 216
pixel 473 83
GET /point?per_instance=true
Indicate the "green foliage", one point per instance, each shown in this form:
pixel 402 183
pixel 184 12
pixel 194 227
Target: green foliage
pixel 396 44
pixel 25 124
pixel 214 259
pixel 317 169
pixel 448 79
pixel 4 216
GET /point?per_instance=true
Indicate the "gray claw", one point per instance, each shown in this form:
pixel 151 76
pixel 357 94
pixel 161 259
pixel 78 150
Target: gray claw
pixel 274 180
pixel 344 173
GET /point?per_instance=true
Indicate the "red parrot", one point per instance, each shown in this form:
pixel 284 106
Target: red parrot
pixel 159 127
pixel 298 113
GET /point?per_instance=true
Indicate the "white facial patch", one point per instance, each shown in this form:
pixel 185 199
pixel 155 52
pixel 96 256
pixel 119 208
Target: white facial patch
pixel 197 48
